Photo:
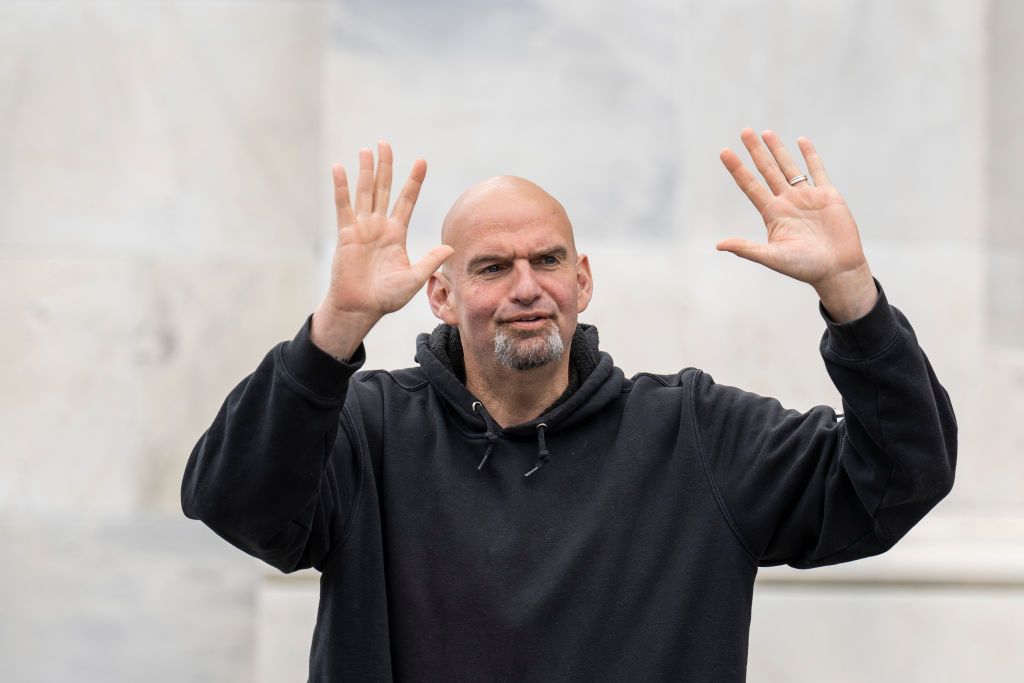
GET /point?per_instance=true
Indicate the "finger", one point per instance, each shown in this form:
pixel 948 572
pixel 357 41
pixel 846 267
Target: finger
pixel 429 264
pixel 382 182
pixel 764 161
pixel 410 192
pixel 814 165
pixel 341 198
pixel 757 193
pixel 364 185
pixel 789 168
pixel 752 251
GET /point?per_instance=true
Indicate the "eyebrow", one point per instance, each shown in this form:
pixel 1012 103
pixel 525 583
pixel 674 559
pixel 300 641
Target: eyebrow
pixel 560 252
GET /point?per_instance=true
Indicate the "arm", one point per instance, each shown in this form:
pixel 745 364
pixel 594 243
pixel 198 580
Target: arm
pixel 811 489
pixel 274 474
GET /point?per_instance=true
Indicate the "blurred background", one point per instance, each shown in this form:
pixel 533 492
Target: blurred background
pixel 166 218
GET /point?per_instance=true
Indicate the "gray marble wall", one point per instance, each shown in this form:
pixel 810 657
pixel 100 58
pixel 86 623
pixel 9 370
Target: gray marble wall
pixel 165 217
pixel 1005 239
pixel 159 193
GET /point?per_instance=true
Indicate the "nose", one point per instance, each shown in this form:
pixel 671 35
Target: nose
pixel 525 288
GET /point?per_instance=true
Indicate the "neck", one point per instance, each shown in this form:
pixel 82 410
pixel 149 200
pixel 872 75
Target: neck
pixel 516 396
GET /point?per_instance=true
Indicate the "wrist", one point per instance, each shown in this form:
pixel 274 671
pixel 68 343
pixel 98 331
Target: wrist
pixel 848 295
pixel 339 333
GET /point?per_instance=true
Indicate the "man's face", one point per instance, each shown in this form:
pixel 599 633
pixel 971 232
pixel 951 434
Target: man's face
pixel 514 285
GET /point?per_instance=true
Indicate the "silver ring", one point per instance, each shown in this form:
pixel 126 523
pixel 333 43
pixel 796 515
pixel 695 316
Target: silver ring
pixel 796 179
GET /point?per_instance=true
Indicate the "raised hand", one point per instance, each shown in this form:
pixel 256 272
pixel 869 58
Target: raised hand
pixel 812 235
pixel 371 274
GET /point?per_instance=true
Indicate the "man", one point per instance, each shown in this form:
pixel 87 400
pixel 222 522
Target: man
pixel 515 508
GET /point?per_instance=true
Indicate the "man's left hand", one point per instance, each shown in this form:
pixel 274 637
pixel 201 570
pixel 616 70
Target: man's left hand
pixel 812 235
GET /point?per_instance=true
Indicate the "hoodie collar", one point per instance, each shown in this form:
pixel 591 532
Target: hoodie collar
pixel 593 378
pixel 594 381
pixel 446 345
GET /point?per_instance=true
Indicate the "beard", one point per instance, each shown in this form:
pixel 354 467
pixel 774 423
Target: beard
pixel 526 351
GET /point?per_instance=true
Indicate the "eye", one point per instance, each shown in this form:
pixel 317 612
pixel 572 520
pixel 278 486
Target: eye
pixel 549 260
pixel 491 269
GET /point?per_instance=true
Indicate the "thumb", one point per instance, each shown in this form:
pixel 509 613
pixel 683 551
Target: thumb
pixel 431 261
pixel 752 251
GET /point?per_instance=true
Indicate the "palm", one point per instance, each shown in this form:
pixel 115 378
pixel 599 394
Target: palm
pixel 811 234
pixel 371 266
pixel 371 272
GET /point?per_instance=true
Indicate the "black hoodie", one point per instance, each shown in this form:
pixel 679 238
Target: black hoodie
pixel 630 554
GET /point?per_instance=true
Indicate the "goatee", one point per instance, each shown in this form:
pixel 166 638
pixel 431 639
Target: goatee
pixel 527 352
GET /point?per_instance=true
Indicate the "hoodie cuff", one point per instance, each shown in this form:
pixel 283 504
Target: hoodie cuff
pixel 865 336
pixel 316 370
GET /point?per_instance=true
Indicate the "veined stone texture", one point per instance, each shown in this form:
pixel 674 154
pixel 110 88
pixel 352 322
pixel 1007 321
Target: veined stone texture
pixel 159 180
pixel 140 599
pixel 1005 266
pixel 166 217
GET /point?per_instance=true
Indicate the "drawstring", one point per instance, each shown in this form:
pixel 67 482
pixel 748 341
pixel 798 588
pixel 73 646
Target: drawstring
pixel 543 455
pixel 491 438
pixel 490 435
pixel 542 450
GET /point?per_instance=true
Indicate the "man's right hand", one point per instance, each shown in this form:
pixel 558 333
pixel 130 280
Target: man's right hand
pixel 371 275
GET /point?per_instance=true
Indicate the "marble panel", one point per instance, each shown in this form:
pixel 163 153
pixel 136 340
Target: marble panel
pixel 991 470
pixel 69 407
pixel 146 599
pixel 895 107
pixel 203 326
pixel 579 101
pixel 162 127
pixel 983 550
pixel 630 143
pixel 1005 288
pixel 885 634
pixel 286 611
pixel 118 365
pixel 1005 201
pixel 1005 135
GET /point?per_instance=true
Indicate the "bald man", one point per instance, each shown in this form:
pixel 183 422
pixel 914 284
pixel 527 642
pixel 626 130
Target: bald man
pixel 515 508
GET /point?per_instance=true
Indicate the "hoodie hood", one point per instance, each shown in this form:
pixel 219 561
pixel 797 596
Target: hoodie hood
pixel 593 380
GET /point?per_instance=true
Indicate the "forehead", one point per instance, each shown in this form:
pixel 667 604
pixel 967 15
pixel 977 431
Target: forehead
pixel 509 225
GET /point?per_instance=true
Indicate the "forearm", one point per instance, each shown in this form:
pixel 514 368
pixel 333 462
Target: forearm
pixel 257 473
pixel 848 295
pixel 339 333
pixel 898 418
pixel 808 489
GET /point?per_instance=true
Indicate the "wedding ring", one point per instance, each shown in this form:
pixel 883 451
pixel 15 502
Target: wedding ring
pixel 796 179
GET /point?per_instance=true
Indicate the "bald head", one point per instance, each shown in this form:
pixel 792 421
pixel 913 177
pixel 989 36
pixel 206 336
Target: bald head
pixel 515 285
pixel 502 198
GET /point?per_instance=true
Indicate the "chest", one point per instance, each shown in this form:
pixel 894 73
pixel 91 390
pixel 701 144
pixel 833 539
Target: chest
pixel 613 512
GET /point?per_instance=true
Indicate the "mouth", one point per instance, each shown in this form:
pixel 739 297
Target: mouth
pixel 528 321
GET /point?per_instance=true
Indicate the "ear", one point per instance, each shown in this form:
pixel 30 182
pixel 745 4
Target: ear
pixel 439 292
pixel 584 283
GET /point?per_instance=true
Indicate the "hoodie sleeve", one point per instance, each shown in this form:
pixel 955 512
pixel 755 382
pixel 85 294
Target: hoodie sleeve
pixel 274 475
pixel 811 489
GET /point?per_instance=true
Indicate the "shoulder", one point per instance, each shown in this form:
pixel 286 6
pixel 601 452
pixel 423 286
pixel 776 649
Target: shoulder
pixel 689 389
pixel 406 379
pixel 661 393
pixel 645 382
pixel 377 397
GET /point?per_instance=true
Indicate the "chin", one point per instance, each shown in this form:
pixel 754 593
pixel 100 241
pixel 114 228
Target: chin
pixel 530 351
